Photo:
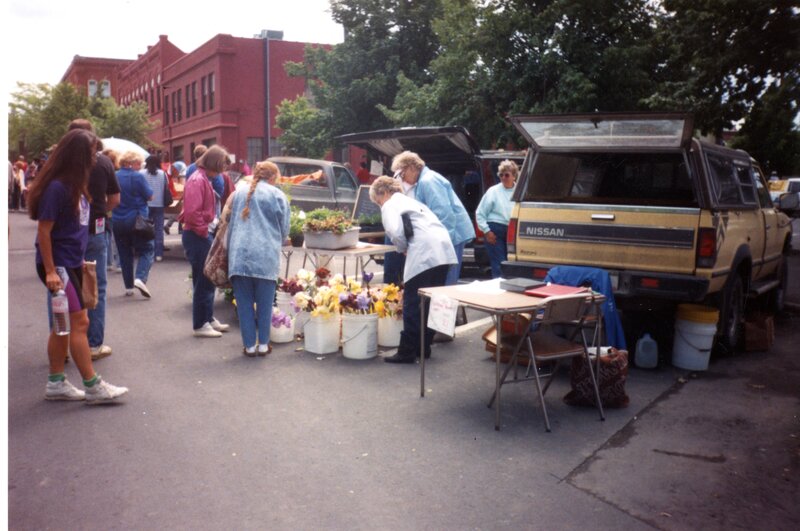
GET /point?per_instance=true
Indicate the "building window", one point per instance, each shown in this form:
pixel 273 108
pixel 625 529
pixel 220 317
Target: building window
pixel 166 110
pixel 177 153
pixel 255 149
pixel 180 106
pixel 158 97
pixel 174 108
pixel 194 97
pixel 211 91
pixel 105 88
pixel 152 102
pixel 92 88
pixel 188 102
pixel 204 91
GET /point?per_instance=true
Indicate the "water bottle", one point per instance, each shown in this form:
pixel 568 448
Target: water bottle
pixel 60 306
pixel 646 352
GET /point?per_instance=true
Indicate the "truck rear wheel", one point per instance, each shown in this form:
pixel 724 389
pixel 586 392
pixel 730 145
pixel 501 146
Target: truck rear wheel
pixel 731 314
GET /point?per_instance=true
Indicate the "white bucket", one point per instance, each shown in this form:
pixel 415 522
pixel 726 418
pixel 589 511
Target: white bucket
pixel 389 329
pixel 695 327
pixel 281 334
pixel 283 301
pixel 321 335
pixel 359 336
pixel 300 321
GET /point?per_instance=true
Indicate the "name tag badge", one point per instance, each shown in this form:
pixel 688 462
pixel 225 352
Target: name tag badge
pixel 100 225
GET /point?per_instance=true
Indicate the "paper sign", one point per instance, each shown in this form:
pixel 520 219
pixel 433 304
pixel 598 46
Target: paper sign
pixel 442 315
pixel 376 168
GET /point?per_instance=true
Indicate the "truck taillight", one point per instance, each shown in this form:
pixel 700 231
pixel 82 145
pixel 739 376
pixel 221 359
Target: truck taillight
pixel 706 248
pixel 511 236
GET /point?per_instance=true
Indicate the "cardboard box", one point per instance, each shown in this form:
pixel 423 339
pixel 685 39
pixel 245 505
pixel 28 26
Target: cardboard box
pixel 759 333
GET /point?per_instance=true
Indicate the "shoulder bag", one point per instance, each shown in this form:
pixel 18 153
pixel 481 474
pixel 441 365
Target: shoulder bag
pixel 168 199
pixel 89 285
pixel 143 228
pixel 216 266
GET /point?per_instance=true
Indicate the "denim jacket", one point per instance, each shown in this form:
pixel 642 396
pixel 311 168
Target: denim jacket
pixel 254 244
pixel 436 192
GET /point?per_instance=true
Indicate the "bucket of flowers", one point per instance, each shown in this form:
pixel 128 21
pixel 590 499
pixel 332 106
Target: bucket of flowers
pixel 389 308
pixel 281 328
pixel 359 320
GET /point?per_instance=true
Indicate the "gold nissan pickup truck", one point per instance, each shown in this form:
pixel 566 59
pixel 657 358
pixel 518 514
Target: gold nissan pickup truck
pixel 671 218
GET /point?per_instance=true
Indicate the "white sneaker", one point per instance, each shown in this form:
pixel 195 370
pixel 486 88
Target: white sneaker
pixel 206 331
pixel 129 293
pixel 138 284
pixel 98 353
pixel 158 258
pixel 103 391
pixel 219 327
pixel 63 390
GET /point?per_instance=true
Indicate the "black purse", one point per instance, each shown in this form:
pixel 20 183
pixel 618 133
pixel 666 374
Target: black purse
pixel 144 228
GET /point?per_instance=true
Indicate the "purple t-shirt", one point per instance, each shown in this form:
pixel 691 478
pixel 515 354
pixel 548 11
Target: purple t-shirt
pixel 70 233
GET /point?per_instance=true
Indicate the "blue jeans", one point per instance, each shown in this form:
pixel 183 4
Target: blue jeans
pixel 196 249
pixel 454 272
pixel 261 292
pixel 410 336
pixel 97 250
pixel 129 247
pixel 497 252
pixel 157 215
pixel 113 255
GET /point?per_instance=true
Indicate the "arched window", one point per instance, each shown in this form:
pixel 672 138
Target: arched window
pixel 92 88
pixel 105 88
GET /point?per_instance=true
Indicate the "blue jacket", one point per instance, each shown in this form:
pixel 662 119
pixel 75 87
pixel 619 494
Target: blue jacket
pixel 135 192
pixel 435 192
pixel 254 244
pixel 600 282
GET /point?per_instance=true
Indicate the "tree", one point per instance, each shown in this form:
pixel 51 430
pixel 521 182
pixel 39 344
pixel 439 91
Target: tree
pixel 382 39
pixel 40 114
pixel 722 56
pixel 770 135
pixel 305 129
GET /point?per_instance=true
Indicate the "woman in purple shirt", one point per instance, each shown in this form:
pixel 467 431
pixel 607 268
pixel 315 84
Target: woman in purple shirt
pixel 58 201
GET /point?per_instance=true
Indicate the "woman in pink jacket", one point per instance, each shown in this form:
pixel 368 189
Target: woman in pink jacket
pixel 199 223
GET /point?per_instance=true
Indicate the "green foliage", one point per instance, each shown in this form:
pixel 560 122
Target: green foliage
pixel 325 219
pixel 296 222
pixel 721 56
pixel 40 114
pixel 370 219
pixel 305 128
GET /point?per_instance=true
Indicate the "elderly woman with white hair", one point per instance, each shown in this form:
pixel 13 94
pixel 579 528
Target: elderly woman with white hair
pixel 417 233
pixel 494 212
pixel 135 192
pixel 436 192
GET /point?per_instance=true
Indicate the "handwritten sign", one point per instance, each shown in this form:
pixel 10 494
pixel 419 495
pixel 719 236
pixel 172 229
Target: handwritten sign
pixel 442 316
pixel 364 205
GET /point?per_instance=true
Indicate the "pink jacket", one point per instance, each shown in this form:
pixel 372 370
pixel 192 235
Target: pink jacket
pixel 198 204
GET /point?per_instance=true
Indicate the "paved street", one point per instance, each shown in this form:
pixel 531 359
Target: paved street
pixel 210 439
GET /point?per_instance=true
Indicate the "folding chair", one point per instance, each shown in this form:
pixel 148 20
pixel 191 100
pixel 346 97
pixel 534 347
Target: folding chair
pixel 580 311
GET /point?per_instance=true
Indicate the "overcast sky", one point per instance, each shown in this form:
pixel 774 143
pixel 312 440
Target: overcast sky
pixel 42 36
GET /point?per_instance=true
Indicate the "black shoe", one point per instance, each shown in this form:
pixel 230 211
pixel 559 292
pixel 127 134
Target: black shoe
pixel 400 358
pixel 427 355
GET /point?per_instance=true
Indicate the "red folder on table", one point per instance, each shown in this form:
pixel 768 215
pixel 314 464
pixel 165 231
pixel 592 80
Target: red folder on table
pixel 554 290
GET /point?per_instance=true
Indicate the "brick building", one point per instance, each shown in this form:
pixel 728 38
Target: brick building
pixel 224 92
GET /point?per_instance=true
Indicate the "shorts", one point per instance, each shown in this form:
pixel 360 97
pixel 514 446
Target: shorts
pixel 72 288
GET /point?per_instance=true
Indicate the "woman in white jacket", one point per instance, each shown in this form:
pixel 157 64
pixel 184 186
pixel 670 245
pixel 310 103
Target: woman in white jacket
pixel 417 233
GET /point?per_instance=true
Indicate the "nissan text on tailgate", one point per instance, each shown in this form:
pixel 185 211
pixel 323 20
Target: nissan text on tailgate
pixel 671 218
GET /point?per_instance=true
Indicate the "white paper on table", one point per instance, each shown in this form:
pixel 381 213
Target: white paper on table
pixel 442 314
pixel 483 286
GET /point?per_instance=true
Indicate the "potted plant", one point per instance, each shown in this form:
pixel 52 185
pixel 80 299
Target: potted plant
pixel 370 223
pixel 296 220
pixel 389 308
pixel 329 229
pixel 359 320
pixel 280 327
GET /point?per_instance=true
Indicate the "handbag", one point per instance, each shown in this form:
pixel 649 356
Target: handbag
pixel 168 199
pixel 216 266
pixel 613 371
pixel 144 228
pixel 89 285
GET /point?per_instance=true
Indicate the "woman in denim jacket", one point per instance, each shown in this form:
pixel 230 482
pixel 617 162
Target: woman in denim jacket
pixel 258 226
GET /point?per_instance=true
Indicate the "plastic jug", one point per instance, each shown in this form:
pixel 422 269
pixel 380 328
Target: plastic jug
pixel 646 352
